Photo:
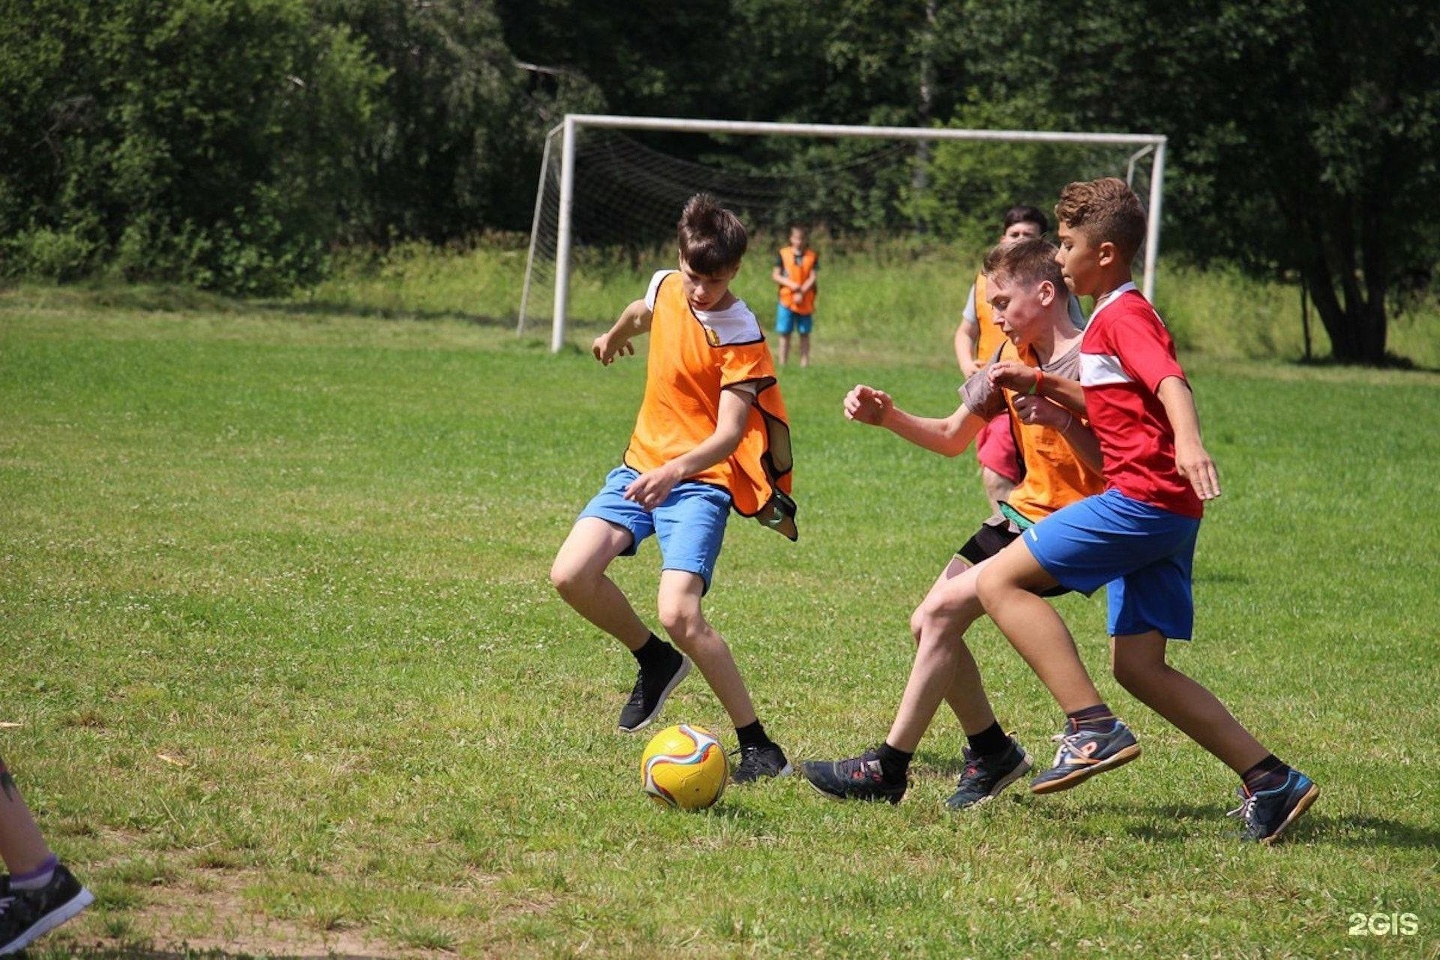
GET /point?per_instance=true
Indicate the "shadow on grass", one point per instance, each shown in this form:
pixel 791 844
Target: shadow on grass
pixel 1169 823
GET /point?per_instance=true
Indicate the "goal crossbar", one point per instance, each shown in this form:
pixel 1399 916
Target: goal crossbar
pixel 1153 144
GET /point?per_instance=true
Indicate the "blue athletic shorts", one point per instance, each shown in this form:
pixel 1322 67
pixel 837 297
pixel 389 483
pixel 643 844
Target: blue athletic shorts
pixel 689 525
pixel 787 320
pixel 1143 553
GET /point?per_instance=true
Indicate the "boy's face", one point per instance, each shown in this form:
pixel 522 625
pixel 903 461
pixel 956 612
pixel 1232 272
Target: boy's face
pixel 798 239
pixel 1021 309
pixel 705 292
pixel 1024 230
pixel 1079 259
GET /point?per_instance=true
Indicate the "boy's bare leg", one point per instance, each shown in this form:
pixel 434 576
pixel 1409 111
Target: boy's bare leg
pixel 21 845
pixel 804 349
pixel 578 573
pixel 679 603
pixel 1009 587
pixel 1138 662
pixel 784 348
pixel 944 668
pixel 997 487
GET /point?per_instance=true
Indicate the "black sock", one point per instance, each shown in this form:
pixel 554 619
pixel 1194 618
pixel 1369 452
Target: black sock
pixel 655 655
pixel 1097 718
pixel 989 742
pixel 1265 775
pixel 752 735
pixel 894 764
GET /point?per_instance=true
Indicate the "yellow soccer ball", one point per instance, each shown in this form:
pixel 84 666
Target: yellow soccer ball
pixel 684 766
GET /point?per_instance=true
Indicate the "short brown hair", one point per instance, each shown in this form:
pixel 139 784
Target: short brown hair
pixel 1026 261
pixel 1106 211
pixel 712 239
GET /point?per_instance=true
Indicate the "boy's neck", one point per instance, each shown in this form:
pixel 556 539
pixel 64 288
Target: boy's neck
pixel 1108 284
pixel 1057 339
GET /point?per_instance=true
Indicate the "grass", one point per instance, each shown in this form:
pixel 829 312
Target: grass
pixel 877 301
pixel 289 677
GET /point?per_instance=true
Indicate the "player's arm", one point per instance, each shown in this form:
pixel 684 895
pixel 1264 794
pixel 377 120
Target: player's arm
pixel 652 487
pixel 634 321
pixel 810 281
pixel 1034 409
pixel 967 338
pixel 949 436
pixel 1191 459
pixel 1031 381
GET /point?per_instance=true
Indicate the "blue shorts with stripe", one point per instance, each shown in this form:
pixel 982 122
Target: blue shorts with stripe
pixel 1143 553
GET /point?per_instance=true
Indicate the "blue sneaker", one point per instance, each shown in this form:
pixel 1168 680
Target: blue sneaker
pixel 1083 754
pixel 1268 812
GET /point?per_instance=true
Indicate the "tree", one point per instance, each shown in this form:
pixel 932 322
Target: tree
pixel 195 141
pixel 1303 133
pixel 456 129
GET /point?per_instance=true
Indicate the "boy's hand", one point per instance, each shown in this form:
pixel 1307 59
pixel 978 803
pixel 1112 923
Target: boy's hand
pixel 1039 410
pixel 1196 466
pixel 1012 375
pixel 867 405
pixel 606 349
pixel 652 487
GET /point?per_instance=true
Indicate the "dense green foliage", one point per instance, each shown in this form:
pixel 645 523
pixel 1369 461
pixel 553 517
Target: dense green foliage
pixel 200 141
pixel 233 145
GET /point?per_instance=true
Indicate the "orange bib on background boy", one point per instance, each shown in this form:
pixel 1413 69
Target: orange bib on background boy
pixel 798 269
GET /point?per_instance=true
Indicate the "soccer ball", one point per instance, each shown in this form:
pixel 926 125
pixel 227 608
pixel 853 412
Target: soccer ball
pixel 685 767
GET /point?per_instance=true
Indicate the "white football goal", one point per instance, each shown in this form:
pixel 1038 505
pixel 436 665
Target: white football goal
pixel 601 187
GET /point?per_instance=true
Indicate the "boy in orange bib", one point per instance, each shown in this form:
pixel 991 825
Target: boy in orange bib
pixel 711 435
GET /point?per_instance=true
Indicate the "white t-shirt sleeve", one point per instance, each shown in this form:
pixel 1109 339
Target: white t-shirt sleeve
pixel 969 312
pixel 655 285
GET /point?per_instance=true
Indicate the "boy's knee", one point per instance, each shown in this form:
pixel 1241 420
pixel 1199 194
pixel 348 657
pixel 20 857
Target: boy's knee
pixel 567 579
pixel 1136 675
pixel 680 619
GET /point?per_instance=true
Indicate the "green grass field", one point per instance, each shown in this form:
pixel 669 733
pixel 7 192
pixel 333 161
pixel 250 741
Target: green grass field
pixel 285 675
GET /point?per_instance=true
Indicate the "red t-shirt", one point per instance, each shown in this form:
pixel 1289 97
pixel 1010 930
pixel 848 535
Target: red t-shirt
pixel 1125 354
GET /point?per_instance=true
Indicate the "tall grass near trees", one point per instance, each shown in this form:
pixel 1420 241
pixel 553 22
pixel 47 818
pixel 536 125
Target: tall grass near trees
pixel 286 675
pixel 891 299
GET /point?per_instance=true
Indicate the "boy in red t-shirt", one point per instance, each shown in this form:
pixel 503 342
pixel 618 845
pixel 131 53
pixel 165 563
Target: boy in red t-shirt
pixel 1138 536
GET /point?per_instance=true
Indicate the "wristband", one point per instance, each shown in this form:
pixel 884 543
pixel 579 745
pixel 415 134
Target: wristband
pixel 1035 387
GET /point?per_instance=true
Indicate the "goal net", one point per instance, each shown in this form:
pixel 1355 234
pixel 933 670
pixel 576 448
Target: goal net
pixel 611 189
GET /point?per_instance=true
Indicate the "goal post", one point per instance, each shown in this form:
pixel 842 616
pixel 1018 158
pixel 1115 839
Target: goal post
pixel 568 131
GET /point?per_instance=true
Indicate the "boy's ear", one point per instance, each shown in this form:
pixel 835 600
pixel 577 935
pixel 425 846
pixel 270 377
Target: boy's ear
pixel 1047 293
pixel 1105 253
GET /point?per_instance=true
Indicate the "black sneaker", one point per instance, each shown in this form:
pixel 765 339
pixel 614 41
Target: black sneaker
pixel 26 914
pixel 985 777
pixel 758 762
pixel 649 694
pixel 1269 812
pixel 858 778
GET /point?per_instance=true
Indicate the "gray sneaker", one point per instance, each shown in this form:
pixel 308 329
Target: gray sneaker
pixel 985 777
